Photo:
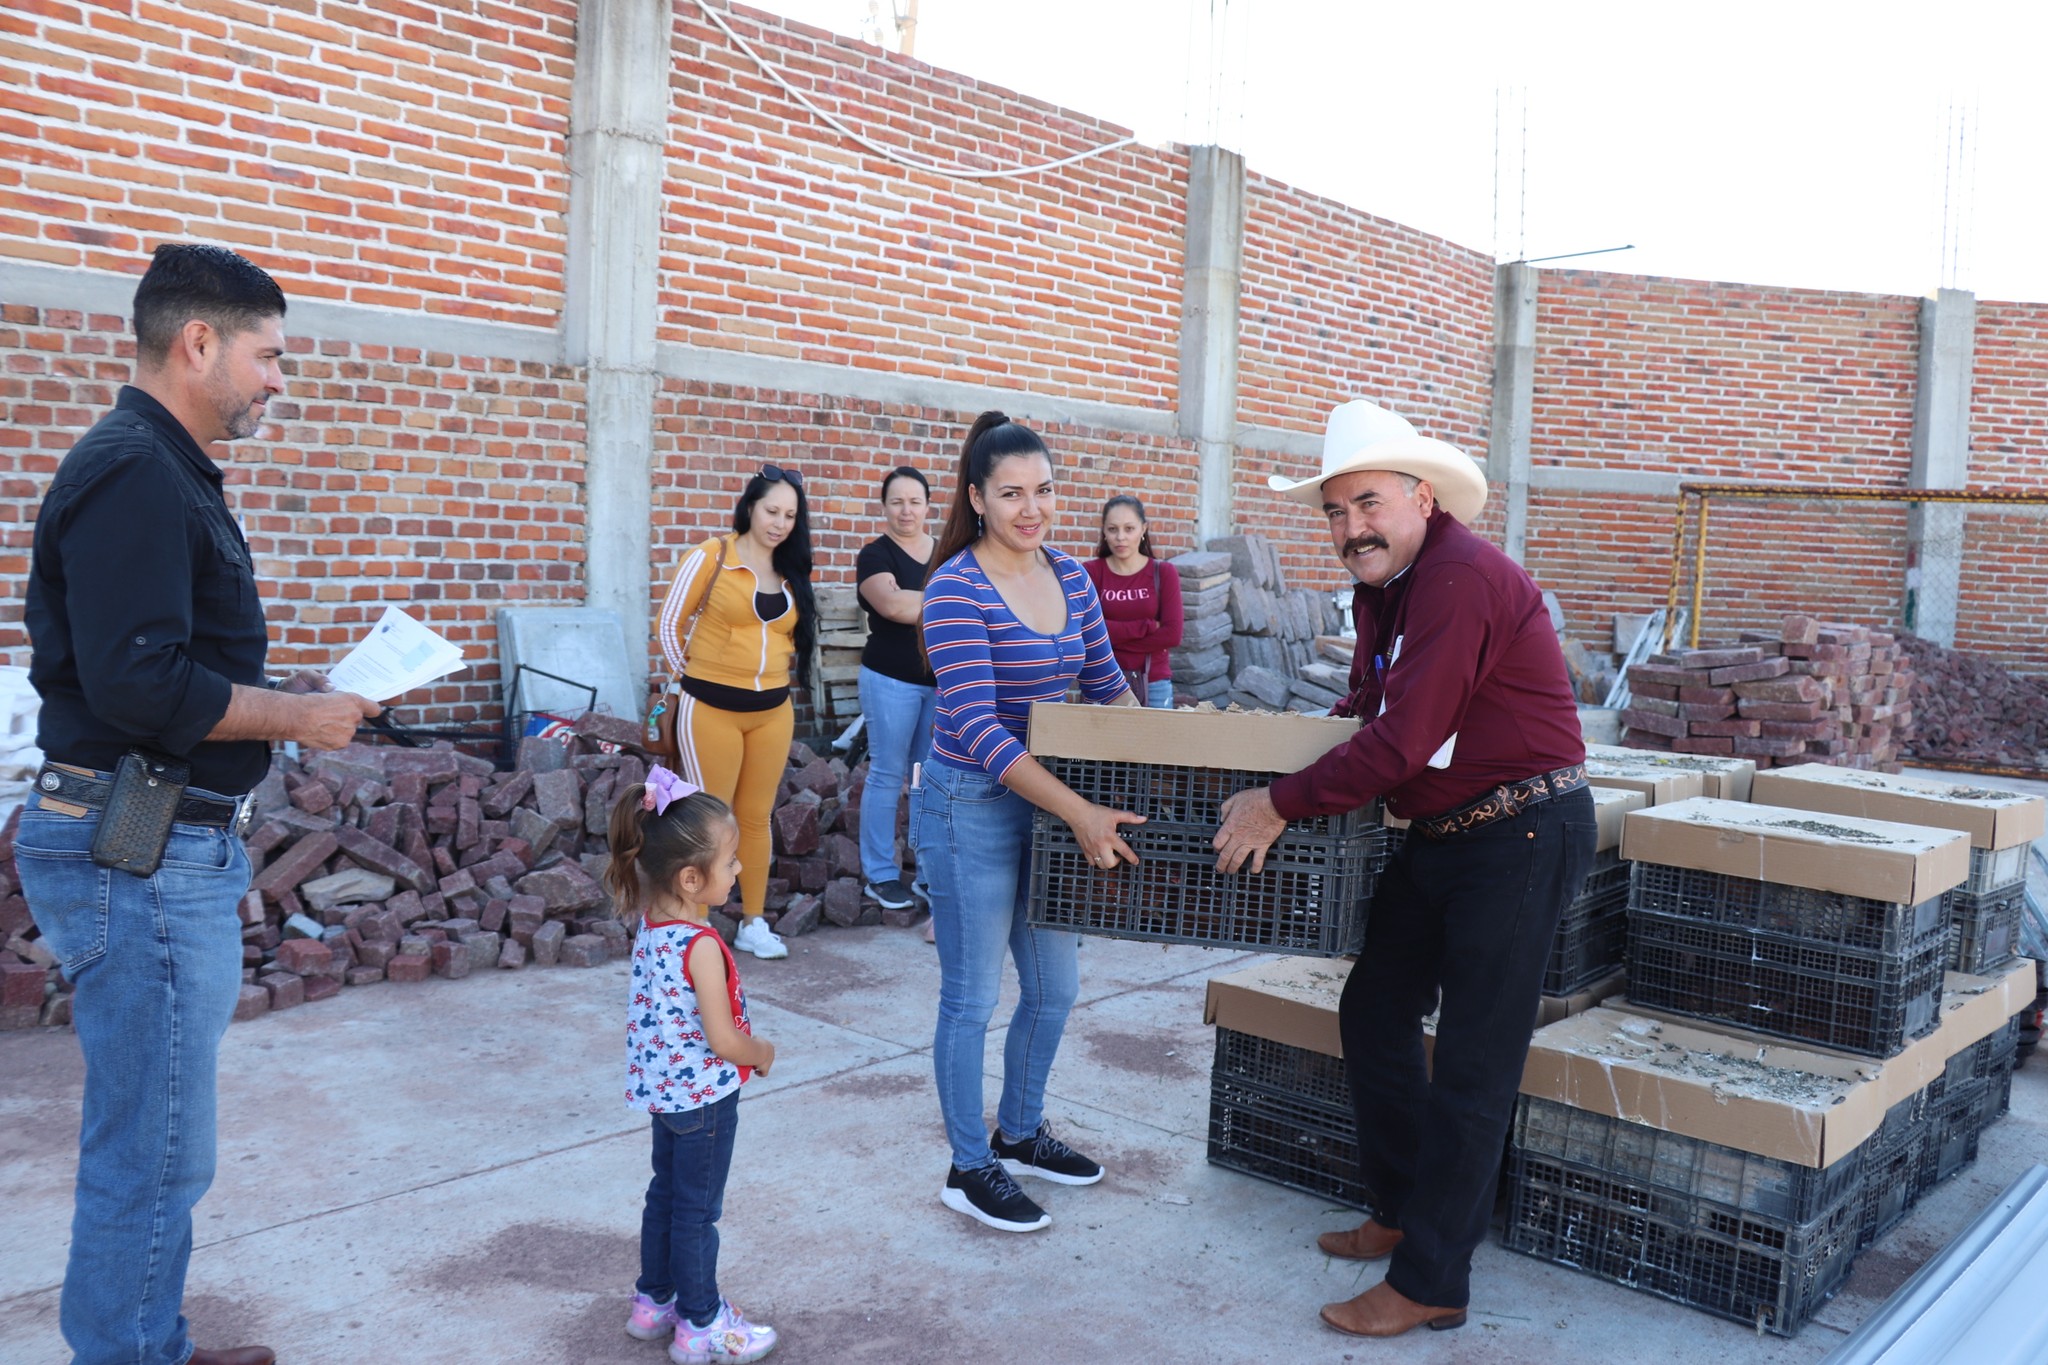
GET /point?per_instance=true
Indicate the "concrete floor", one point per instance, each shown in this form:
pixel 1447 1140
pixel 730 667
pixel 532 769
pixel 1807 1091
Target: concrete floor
pixel 441 1173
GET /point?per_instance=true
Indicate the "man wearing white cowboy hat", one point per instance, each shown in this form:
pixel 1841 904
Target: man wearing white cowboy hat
pixel 1470 730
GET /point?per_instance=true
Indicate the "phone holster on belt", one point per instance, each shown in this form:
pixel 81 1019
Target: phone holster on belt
pixel 136 824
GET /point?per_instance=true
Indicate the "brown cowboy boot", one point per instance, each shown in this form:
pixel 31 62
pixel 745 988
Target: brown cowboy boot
pixel 234 1355
pixel 1366 1242
pixel 1384 1311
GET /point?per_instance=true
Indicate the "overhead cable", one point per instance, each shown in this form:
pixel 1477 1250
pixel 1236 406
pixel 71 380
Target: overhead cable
pixel 902 158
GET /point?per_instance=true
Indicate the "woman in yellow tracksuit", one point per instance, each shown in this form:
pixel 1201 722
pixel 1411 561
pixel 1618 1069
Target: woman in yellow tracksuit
pixel 734 721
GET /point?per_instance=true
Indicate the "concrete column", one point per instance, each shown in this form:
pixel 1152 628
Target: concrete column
pixel 1941 459
pixel 1214 267
pixel 618 136
pixel 1514 389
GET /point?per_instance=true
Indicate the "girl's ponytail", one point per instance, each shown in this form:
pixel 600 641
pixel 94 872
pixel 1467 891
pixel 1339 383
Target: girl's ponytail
pixel 628 835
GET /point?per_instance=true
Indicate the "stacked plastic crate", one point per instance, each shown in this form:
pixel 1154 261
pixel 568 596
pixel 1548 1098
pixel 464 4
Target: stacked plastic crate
pixel 1824 933
pixel 1975 1087
pixel 1592 936
pixel 1768 923
pixel 1728 1171
pixel 1985 910
pixel 1279 1102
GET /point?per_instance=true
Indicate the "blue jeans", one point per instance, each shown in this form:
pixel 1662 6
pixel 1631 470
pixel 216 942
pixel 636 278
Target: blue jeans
pixel 973 840
pixel 679 1226
pixel 157 966
pixel 1159 694
pixel 899 734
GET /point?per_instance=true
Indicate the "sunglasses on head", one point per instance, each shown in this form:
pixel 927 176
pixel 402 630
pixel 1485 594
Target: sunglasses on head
pixel 774 472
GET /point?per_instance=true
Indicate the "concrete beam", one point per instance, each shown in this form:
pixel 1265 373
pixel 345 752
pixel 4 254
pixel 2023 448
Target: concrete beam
pixel 1940 459
pixel 618 138
pixel 779 374
pixel 102 291
pixel 1514 389
pixel 1213 268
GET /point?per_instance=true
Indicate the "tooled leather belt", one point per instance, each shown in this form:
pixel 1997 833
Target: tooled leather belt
pixel 92 793
pixel 1508 799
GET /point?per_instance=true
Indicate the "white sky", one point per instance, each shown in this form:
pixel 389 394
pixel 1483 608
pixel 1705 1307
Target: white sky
pixel 1795 143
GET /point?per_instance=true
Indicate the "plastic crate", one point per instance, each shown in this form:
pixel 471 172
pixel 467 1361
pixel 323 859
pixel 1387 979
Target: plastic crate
pixel 1310 900
pixel 1987 928
pixel 1592 934
pixel 1284 1114
pixel 1694 1167
pixel 1798 911
pixel 1994 868
pixel 1758 1271
pixel 1968 1097
pixel 1789 987
pixel 1266 1068
pixel 1891 1159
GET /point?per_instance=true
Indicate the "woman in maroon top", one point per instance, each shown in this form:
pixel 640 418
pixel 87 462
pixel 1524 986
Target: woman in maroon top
pixel 1140 599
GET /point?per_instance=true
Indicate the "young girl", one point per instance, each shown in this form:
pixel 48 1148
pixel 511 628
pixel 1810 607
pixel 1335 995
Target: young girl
pixel 689 1048
pixel 1140 600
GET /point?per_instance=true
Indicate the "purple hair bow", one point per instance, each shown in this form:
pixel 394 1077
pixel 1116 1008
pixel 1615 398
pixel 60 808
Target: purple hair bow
pixel 663 787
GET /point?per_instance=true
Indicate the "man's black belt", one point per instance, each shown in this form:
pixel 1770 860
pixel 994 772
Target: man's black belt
pixel 1508 799
pixel 92 793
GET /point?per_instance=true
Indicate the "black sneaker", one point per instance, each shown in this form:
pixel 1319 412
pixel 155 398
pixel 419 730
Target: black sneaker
pixel 987 1193
pixel 1046 1157
pixel 890 895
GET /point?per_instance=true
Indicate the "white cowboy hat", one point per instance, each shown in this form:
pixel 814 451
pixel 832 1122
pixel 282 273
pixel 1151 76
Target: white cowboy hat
pixel 1363 435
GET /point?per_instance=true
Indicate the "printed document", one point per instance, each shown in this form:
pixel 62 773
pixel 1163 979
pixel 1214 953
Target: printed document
pixel 397 655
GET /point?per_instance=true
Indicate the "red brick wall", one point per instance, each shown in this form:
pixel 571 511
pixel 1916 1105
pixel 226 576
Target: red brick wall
pixel 404 156
pixel 782 239
pixel 1721 382
pixel 2005 553
pixel 384 475
pixel 413 158
pixel 1338 304
pixel 708 438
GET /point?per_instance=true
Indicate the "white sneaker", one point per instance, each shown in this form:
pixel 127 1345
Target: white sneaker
pixel 757 938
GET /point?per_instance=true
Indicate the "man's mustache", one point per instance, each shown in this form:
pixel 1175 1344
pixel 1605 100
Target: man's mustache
pixel 1352 547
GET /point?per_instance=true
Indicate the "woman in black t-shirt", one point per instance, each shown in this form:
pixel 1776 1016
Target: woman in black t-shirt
pixel 896 692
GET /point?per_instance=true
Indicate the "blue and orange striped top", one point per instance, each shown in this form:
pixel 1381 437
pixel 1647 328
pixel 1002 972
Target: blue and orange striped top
pixel 991 667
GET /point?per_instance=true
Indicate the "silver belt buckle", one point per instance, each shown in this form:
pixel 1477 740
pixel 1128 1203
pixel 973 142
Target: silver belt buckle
pixel 245 810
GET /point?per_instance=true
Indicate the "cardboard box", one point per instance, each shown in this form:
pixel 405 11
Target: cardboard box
pixel 1551 1008
pixel 1726 778
pixel 1659 787
pixel 1993 818
pixel 1256 742
pixel 1610 804
pixel 1293 1000
pixel 1756 1095
pixel 1845 854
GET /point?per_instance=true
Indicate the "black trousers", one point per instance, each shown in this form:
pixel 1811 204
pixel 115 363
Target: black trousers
pixel 1471 916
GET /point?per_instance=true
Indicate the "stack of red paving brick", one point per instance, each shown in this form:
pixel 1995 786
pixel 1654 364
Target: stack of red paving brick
pixel 1813 692
pixel 374 863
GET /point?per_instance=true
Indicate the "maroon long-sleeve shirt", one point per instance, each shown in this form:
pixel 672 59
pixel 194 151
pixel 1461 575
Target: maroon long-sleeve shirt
pixel 1478 659
pixel 1142 626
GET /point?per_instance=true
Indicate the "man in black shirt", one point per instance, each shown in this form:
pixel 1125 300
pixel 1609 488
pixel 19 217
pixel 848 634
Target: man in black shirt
pixel 148 635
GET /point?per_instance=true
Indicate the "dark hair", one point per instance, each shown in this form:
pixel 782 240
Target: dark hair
pixel 903 471
pixel 190 280
pixel 792 559
pixel 650 851
pixel 992 439
pixel 1144 537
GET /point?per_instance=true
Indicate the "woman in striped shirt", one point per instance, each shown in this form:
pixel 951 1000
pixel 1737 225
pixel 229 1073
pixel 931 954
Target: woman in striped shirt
pixel 1007 621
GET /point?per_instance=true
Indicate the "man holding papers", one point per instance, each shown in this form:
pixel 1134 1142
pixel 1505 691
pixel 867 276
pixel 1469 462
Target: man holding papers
pixel 149 644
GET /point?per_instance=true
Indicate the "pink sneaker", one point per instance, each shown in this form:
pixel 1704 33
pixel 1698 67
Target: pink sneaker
pixel 651 1321
pixel 728 1339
